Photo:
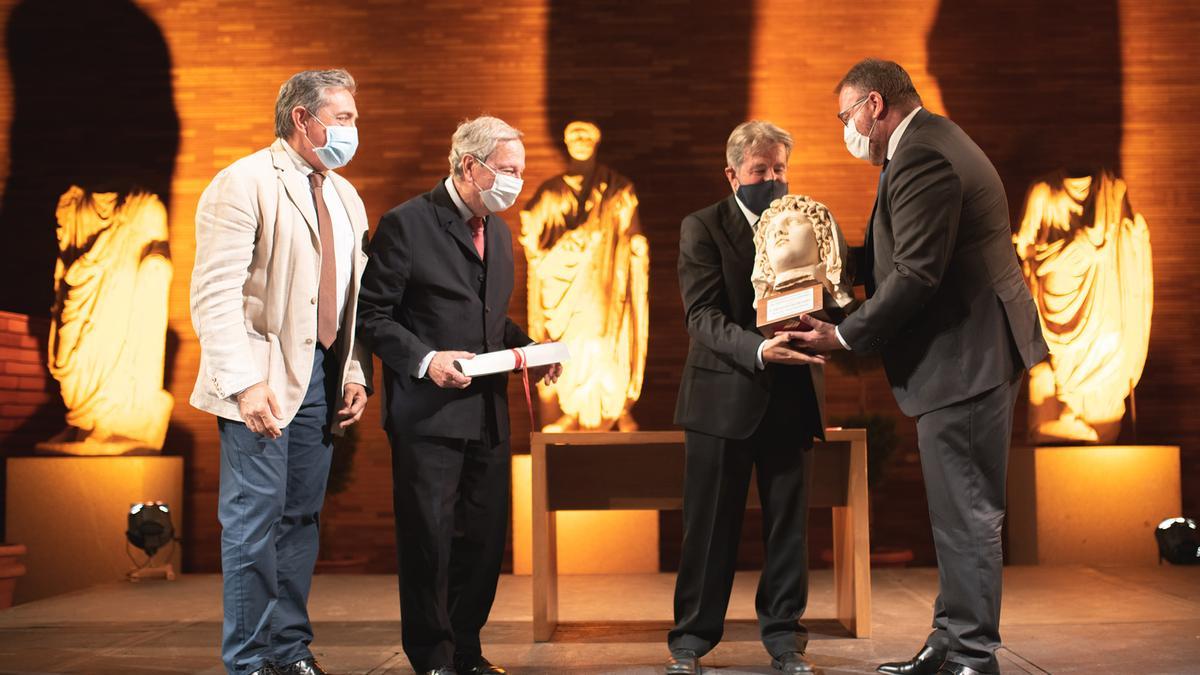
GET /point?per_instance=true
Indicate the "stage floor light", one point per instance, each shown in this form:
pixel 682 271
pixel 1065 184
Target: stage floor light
pixel 150 529
pixel 1178 541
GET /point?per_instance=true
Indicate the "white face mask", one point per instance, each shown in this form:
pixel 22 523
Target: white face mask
pixel 340 144
pixel 504 191
pixel 858 144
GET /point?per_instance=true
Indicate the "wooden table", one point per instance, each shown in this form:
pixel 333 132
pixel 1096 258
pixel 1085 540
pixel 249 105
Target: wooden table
pixel 644 470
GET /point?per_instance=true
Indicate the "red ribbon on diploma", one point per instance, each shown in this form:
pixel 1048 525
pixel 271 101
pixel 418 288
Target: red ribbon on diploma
pixel 521 365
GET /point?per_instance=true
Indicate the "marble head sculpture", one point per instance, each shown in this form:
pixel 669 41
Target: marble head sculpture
pixel 796 243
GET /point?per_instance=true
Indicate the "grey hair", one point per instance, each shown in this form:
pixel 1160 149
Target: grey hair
pixel 308 89
pixel 885 77
pixel 753 137
pixel 478 138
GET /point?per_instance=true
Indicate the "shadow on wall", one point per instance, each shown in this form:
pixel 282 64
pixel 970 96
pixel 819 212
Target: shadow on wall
pixel 1037 89
pixel 94 107
pixel 666 83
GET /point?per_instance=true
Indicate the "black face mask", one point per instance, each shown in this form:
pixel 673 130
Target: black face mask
pixel 758 197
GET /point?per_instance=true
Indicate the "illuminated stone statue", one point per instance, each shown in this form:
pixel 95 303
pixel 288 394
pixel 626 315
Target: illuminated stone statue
pixel 108 329
pixel 1086 258
pixel 588 282
pixel 798 241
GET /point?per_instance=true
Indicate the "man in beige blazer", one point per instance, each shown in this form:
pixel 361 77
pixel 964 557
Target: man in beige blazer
pixel 280 248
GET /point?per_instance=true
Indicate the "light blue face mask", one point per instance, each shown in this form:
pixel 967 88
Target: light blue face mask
pixel 340 144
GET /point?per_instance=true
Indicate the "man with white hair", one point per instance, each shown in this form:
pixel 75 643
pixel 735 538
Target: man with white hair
pixel 279 251
pixel 437 289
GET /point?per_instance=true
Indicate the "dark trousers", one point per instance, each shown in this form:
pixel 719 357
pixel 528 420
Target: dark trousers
pixel 269 506
pixel 451 501
pixel 964 458
pixel 716 481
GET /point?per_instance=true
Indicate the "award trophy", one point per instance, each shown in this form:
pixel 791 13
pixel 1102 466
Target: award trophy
pixel 798 265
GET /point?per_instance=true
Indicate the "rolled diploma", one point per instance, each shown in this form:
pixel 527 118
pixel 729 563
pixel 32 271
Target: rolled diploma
pixel 508 359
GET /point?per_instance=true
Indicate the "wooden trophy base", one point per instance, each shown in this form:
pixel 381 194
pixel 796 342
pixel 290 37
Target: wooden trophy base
pixel 782 311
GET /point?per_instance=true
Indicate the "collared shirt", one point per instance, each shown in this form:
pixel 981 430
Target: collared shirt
pixel 343 231
pixel 750 217
pixel 900 129
pixel 893 142
pixel 753 221
pixel 463 209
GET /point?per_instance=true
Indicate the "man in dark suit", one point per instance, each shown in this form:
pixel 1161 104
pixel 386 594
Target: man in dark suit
pixel 436 289
pixel 950 314
pixel 744 403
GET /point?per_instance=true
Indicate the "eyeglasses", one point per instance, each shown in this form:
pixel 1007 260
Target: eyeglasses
pixel 506 170
pixel 845 114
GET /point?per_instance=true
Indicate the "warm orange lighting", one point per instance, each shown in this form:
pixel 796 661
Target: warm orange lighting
pixel 1090 504
pixel 108 330
pixel 581 139
pixel 72 513
pixel 1086 258
pixel 589 270
pixel 589 542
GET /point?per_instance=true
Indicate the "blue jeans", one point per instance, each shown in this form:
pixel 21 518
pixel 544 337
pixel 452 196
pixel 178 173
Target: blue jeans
pixel 269 507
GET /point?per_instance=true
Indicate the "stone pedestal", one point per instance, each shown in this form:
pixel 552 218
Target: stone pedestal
pixel 1090 504
pixel 72 512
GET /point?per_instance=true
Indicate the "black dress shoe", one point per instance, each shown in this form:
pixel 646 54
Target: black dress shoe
pixel 928 661
pixel 267 669
pixel 476 665
pixel 793 663
pixel 952 668
pixel 306 666
pixel 444 670
pixel 683 662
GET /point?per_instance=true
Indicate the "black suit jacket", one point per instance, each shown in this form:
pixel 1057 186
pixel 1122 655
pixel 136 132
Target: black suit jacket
pixel 722 392
pixel 947 307
pixel 425 289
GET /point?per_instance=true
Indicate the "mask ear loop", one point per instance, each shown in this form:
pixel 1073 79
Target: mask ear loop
pixel 312 116
pixel 873 123
pixel 480 162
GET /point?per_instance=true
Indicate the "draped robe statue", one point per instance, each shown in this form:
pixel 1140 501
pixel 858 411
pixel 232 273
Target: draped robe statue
pixel 109 321
pixel 588 276
pixel 1086 258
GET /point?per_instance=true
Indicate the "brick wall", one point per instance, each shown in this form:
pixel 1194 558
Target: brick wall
pixel 666 90
pixel 30 407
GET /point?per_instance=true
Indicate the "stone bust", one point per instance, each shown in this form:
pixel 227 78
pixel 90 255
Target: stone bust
pixel 798 241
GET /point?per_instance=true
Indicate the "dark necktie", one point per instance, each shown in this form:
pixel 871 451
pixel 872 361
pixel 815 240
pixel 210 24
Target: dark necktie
pixel 327 285
pixel 476 225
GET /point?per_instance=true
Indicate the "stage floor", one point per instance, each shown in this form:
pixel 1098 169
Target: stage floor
pixel 1061 620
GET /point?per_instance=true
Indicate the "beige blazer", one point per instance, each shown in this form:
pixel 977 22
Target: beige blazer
pixel 254 284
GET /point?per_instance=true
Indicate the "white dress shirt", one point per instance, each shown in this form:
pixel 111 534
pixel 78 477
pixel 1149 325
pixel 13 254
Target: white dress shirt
pixel 891 150
pixel 753 220
pixel 343 231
